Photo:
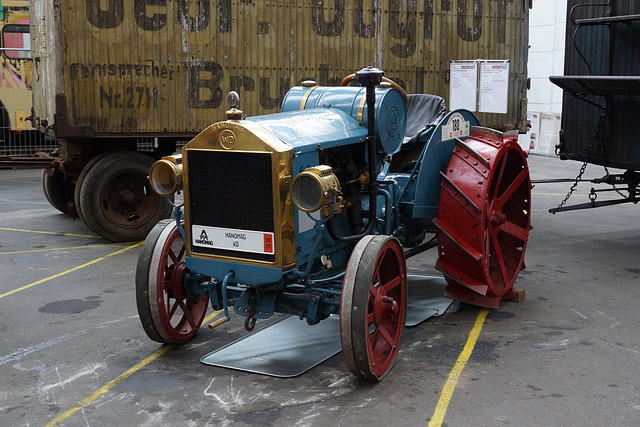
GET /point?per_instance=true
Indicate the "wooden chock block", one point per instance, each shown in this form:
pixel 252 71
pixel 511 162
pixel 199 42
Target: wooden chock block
pixel 518 295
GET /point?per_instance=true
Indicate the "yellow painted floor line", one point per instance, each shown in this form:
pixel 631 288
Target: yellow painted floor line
pixel 59 249
pixel 94 396
pixel 49 232
pixel 21 181
pixel 60 418
pixel 6 294
pixel 452 381
pixel 22 201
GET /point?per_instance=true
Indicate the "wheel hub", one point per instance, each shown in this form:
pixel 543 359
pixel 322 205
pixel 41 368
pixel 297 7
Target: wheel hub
pixel 125 201
pixel 498 218
pixel 384 307
pixel 127 197
pixel 174 283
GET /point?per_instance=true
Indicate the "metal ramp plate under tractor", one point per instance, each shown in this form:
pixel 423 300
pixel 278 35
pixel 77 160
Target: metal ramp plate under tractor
pixel 290 347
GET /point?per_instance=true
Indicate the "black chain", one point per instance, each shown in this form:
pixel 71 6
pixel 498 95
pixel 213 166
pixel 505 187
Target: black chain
pixel 575 184
pixel 597 134
pixel 603 153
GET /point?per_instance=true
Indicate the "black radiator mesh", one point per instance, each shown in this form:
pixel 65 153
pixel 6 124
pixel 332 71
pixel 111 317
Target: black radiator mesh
pixel 231 189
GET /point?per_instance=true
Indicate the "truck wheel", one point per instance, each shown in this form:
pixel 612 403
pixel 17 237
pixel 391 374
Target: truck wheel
pixel 373 306
pixel 484 218
pixel 59 192
pixel 166 313
pixel 116 200
pixel 83 173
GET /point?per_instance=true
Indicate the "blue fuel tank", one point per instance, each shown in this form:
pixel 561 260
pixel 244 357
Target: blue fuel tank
pixel 391 110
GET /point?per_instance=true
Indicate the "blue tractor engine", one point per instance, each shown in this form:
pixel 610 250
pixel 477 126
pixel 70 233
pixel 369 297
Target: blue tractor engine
pixel 312 212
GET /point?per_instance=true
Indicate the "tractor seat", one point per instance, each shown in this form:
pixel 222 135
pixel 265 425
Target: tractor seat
pixel 423 110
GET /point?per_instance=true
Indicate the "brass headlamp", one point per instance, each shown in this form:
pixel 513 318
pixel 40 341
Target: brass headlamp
pixel 314 188
pixel 165 175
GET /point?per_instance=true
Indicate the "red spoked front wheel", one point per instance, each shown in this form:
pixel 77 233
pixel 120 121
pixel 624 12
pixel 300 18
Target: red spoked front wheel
pixel 373 306
pixel 167 314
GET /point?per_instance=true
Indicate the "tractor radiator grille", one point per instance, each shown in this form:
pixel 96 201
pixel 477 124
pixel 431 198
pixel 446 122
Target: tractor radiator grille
pixel 231 189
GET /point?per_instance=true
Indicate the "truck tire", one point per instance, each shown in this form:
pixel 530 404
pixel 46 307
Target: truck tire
pixel 59 192
pixel 116 200
pixel 83 173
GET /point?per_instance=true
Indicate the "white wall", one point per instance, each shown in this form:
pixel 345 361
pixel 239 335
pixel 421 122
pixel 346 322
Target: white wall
pixel 547 23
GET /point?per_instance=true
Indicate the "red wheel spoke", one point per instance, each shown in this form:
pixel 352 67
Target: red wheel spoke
pixel 514 229
pixel 373 337
pixel 513 187
pixel 376 278
pixel 378 266
pixel 370 319
pixel 187 313
pixel 172 310
pixel 503 165
pixel 373 290
pixel 166 304
pixel 500 259
pixel 191 322
pixel 491 233
pixel 388 287
pixel 182 305
pixel 381 330
pixel 173 256
pixel 166 282
pixel 181 254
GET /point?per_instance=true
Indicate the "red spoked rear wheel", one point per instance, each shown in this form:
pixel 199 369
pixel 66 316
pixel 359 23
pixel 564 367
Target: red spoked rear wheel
pixel 484 217
pixel 373 306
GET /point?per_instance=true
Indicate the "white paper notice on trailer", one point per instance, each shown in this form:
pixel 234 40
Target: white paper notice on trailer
pixel 494 87
pixel 464 85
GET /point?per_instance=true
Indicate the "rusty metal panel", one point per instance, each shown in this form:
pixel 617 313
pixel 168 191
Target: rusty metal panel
pixel 159 68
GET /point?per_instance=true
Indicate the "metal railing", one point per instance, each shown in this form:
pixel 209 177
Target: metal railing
pixel 22 142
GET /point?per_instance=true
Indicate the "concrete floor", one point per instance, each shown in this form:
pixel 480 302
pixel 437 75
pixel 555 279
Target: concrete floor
pixel 72 349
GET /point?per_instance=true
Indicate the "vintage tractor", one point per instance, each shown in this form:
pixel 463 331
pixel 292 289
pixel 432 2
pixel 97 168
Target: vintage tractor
pixel 312 212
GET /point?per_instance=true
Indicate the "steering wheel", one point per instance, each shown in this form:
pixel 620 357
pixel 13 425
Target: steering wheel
pixel 393 84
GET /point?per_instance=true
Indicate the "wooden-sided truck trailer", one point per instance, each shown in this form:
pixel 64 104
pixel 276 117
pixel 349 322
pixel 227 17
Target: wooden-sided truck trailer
pixel 106 74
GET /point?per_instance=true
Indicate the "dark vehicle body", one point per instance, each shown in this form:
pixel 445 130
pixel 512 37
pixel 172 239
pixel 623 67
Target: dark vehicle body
pixel 601 104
